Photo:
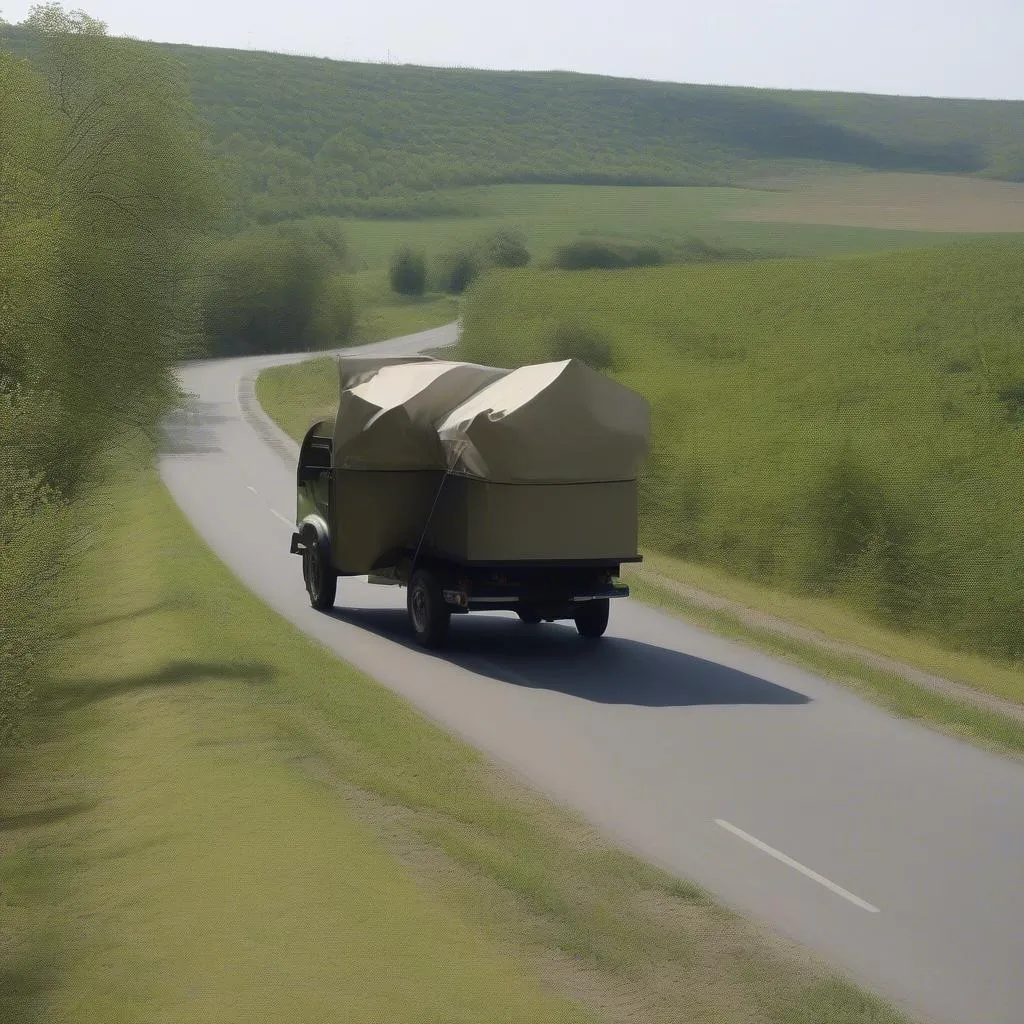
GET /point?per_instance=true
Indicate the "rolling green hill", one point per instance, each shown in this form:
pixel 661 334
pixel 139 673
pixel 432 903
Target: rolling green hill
pixel 303 135
pixel 850 426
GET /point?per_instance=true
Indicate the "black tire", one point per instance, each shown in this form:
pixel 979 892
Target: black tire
pixel 529 616
pixel 428 613
pixel 592 618
pixel 319 575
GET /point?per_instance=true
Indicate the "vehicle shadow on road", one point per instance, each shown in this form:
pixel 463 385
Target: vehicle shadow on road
pixel 552 656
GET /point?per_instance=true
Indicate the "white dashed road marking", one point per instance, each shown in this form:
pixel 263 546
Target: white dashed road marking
pixel 820 879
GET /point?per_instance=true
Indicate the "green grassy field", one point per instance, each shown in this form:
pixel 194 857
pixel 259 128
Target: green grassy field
pixel 383 315
pixel 551 215
pixel 214 819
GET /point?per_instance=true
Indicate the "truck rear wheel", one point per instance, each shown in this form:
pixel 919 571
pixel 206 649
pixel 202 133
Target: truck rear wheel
pixel 428 613
pixel 320 578
pixel 592 618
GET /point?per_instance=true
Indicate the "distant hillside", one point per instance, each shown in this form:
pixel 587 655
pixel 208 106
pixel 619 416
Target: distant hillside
pixel 304 135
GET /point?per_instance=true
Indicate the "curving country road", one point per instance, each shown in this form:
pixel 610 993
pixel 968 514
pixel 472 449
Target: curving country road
pixel 893 851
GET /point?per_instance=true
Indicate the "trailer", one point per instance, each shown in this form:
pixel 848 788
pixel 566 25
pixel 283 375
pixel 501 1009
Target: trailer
pixel 476 488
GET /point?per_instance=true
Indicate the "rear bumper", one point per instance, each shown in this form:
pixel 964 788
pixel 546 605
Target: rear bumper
pixel 558 604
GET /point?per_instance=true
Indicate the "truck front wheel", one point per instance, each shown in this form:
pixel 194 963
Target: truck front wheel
pixel 320 578
pixel 428 613
pixel 592 618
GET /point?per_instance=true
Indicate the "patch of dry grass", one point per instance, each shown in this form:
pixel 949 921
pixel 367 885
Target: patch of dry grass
pixel 907 202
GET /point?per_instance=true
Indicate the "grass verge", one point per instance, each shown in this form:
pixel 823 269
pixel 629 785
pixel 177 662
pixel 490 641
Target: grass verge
pixel 840 622
pixel 297 398
pixel 217 820
pixel 173 850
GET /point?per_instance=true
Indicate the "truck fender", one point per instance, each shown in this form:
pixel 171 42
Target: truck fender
pixel 312 530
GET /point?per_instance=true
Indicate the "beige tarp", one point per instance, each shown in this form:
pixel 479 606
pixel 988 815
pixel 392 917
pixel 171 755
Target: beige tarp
pixel 543 461
pixel 386 418
pixel 552 423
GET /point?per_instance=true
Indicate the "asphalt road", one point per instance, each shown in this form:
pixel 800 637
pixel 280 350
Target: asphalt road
pixel 895 852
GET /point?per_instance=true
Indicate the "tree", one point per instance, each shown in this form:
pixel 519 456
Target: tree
pixel 408 272
pixel 506 249
pixel 123 185
pixel 456 271
pixel 103 183
pixel 260 294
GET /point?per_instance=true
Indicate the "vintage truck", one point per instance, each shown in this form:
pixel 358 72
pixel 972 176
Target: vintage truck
pixel 476 488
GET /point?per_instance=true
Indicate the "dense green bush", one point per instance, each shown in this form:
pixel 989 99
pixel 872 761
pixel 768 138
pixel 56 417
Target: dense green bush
pixel 408 274
pixel 456 270
pixel 594 255
pixel 505 249
pixel 269 292
pixel 279 288
pixel 260 294
pixel 577 339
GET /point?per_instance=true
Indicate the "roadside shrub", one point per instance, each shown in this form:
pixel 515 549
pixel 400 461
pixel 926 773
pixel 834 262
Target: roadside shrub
pixel 506 249
pixel 456 272
pixel 408 273
pixel 575 339
pixel 590 255
pixel 33 565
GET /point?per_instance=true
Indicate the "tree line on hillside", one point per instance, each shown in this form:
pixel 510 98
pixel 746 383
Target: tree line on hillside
pixel 413 273
pixel 302 137
pixel 104 182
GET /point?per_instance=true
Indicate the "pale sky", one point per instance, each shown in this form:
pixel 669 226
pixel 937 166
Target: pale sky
pixel 970 48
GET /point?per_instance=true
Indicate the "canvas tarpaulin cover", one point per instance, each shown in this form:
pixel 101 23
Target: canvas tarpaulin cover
pixel 386 416
pixel 550 422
